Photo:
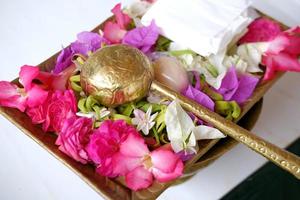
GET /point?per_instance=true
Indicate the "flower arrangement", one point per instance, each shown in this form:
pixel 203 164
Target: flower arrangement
pixel 152 138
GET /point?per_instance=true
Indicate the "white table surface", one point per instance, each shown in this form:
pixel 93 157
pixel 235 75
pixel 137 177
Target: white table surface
pixel 33 30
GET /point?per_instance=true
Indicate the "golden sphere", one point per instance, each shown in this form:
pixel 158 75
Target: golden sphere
pixel 116 74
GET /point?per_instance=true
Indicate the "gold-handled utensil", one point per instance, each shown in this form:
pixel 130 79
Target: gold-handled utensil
pixel 118 74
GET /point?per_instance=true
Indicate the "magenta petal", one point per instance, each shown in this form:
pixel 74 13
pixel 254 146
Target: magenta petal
pixel 199 97
pixel 122 19
pixel 184 156
pixel 229 84
pixel 27 74
pixel 134 146
pixel 105 168
pixel 247 84
pixel 261 30
pixel 166 165
pixel 142 38
pixel 139 178
pixel 36 96
pixel 10 96
pixel 37 114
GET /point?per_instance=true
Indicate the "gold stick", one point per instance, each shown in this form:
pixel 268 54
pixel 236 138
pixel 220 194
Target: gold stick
pixel 284 159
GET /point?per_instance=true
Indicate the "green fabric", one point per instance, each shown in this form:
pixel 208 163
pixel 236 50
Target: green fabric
pixel 268 182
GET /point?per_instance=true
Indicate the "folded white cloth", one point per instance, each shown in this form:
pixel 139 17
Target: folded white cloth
pixel 205 26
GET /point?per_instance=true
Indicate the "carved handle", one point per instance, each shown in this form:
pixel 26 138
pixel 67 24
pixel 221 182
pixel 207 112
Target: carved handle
pixel 284 159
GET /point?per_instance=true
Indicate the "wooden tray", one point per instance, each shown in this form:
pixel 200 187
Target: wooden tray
pixel 209 150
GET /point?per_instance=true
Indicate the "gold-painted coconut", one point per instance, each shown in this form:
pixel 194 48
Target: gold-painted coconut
pixel 116 74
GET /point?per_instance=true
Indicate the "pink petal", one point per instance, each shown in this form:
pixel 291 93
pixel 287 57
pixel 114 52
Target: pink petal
pixel 166 165
pixel 165 177
pixel 122 19
pixel 36 96
pixel 279 62
pixel 134 146
pixel 278 44
pixel 56 81
pixel 10 96
pixel 27 74
pixel 123 164
pixel 139 178
pixel 261 30
pixel 113 32
pixel 293 35
pixel 37 114
pixel 105 169
pixel 164 160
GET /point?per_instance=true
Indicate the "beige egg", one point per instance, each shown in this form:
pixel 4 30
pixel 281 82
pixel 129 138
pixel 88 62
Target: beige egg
pixel 170 72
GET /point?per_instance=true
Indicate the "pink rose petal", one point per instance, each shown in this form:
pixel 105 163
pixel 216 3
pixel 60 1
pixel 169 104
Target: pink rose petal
pixel 74 136
pixel 139 178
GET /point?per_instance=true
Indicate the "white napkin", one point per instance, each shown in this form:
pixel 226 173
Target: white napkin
pixel 205 26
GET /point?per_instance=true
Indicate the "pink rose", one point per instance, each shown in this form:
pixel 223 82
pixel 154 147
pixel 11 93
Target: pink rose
pixel 74 136
pixel 105 142
pixel 119 150
pixel 54 110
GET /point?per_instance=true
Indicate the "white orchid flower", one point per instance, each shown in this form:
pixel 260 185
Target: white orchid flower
pixel 211 67
pixel 236 61
pixel 182 132
pixel 144 121
pixel 252 54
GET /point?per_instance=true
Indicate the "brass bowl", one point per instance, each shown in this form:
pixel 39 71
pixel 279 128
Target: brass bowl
pixel 117 74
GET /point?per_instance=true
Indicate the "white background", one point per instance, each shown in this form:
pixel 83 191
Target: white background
pixel 33 30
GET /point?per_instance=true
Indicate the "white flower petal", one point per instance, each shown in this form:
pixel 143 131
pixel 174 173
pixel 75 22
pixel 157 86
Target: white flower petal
pixel 205 132
pixel 177 145
pixel 178 122
pixel 237 62
pixel 87 115
pixel 252 54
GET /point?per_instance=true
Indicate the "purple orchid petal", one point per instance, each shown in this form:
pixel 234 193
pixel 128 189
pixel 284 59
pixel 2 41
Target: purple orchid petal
pixel 64 60
pixel 247 84
pixel 142 38
pixel 229 84
pixel 199 97
pixel 185 156
pixel 86 41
